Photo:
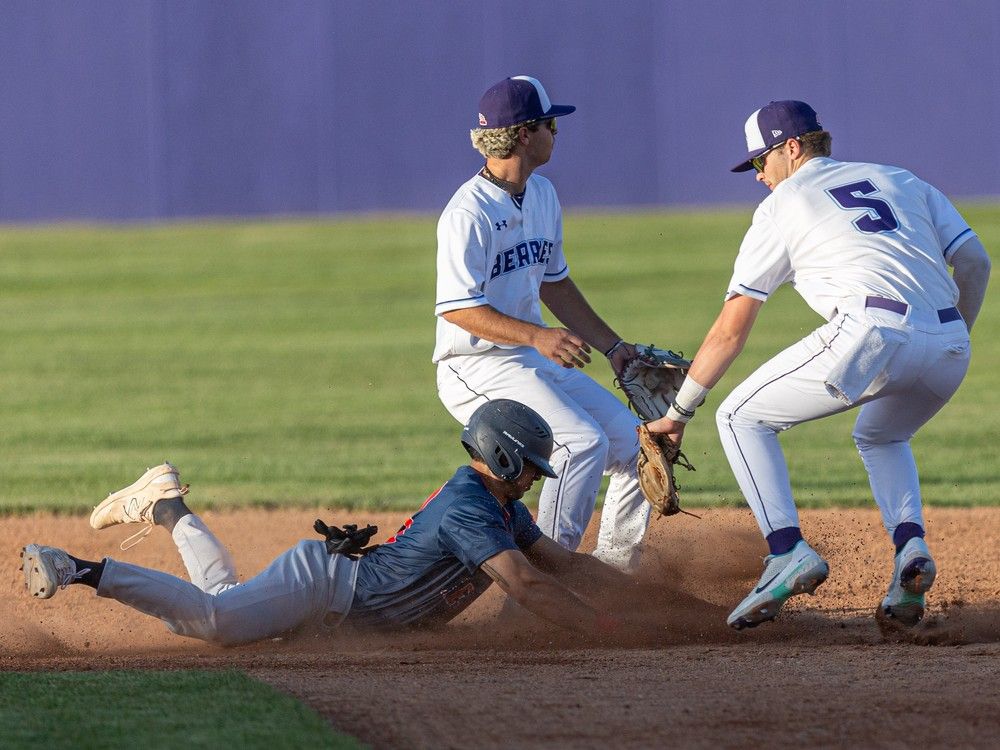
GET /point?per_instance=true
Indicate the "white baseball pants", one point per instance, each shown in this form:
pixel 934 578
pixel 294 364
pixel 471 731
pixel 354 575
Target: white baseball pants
pixel 594 433
pixel 921 374
pixel 300 587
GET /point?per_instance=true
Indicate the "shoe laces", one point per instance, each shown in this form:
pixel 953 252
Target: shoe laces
pixel 66 569
pixel 68 578
pixel 142 533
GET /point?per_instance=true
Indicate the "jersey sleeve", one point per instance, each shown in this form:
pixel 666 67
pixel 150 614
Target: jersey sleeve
pixel 473 531
pixel 463 247
pixel 526 531
pixel 763 263
pixel 952 230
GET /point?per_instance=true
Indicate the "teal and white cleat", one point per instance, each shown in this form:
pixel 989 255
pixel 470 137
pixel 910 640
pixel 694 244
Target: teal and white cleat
pixel 912 576
pixel 799 571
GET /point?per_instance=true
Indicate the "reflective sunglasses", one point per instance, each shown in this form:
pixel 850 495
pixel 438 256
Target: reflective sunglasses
pixel 758 161
pixel 549 123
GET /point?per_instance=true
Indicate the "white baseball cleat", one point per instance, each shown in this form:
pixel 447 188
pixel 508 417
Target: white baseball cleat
pixel 799 571
pixel 47 569
pixel 134 504
pixel 913 575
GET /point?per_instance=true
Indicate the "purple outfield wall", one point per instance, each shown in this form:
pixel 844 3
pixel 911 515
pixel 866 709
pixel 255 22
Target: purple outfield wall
pixel 150 109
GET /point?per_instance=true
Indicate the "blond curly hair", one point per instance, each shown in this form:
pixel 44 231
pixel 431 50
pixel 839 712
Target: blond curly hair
pixel 499 143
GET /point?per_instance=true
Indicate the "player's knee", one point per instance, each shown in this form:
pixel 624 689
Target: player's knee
pixel 219 637
pixel 584 439
pixel 724 412
pixel 732 419
pixel 598 445
pixel 724 417
pixel 872 437
pixel 228 631
pixel 205 628
pixel 721 417
pixel 623 441
pixel 223 621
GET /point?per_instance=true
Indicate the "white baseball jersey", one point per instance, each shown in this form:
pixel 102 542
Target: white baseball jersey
pixel 845 234
pixel 842 230
pixel 490 252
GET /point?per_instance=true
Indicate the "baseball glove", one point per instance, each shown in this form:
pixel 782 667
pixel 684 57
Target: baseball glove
pixel 651 380
pixel 347 540
pixel 658 455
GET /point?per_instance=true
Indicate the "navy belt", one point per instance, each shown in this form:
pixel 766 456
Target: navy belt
pixel 946 315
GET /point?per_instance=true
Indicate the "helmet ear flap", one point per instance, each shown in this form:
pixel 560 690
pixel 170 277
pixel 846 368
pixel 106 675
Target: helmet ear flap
pixel 506 465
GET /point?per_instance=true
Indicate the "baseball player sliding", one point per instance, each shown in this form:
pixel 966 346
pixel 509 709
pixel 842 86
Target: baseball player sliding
pixel 868 247
pixel 474 530
pixel 500 255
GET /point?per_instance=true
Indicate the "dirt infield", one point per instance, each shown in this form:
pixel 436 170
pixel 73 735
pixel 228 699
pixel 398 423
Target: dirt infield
pixel 821 675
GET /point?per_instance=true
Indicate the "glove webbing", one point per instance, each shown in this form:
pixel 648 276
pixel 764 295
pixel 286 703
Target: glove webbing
pixel 682 460
pixel 347 540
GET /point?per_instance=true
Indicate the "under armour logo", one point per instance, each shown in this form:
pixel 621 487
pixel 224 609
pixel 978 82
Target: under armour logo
pixel 502 224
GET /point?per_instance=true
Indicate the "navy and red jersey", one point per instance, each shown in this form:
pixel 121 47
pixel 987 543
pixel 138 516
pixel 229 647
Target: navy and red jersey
pixel 428 571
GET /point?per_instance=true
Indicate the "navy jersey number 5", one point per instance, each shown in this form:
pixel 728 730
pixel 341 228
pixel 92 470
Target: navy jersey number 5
pixel 879 218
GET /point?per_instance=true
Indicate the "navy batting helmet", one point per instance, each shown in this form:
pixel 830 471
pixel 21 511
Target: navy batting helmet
pixel 507 433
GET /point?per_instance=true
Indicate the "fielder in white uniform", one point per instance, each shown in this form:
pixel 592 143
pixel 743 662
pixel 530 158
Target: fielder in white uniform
pixel 868 247
pixel 500 255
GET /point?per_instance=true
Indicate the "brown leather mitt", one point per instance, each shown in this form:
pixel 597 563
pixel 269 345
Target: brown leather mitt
pixel 658 455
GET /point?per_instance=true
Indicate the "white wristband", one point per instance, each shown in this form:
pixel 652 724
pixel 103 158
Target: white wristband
pixel 676 416
pixel 691 395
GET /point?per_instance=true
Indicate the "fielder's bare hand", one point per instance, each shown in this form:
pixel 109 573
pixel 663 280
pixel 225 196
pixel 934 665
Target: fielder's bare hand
pixel 563 347
pixel 620 355
pixel 673 429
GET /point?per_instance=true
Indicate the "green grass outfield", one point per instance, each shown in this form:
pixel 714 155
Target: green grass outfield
pixel 148 709
pixel 289 362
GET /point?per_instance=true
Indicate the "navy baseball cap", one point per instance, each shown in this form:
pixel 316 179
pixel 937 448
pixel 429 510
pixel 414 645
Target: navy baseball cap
pixel 774 124
pixel 516 100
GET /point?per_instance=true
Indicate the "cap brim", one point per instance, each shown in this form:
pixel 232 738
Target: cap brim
pixel 746 166
pixel 558 110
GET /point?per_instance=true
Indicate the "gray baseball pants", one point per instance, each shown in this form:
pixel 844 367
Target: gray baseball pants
pixel 303 586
